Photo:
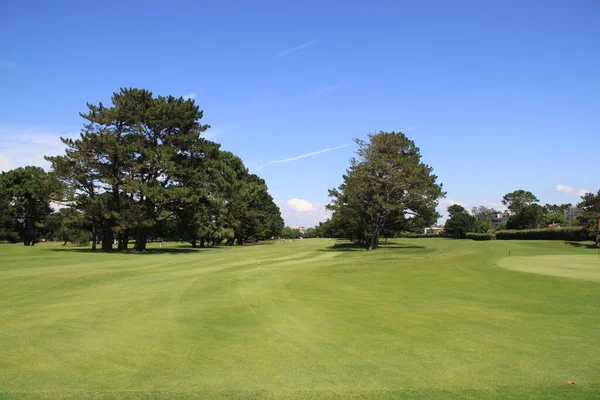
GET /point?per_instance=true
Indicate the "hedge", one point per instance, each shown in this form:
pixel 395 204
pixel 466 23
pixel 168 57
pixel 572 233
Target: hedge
pixel 480 236
pixel 575 233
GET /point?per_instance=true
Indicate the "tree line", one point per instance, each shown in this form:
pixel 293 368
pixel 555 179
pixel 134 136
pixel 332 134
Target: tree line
pixel 524 213
pixel 139 170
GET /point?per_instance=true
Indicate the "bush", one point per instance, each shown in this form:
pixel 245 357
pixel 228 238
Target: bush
pixel 574 233
pixel 480 236
pixel 409 235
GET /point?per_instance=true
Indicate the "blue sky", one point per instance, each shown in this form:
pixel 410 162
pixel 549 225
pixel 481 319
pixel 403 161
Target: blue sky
pixel 498 95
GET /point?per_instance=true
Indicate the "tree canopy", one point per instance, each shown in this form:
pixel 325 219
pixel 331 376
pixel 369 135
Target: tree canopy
pixel 141 168
pixel 387 185
pixel 25 195
pixel 518 199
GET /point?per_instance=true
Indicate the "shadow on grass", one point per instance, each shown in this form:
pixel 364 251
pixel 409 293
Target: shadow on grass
pixel 344 247
pixel 355 247
pixel 398 246
pixel 177 249
pixel 582 245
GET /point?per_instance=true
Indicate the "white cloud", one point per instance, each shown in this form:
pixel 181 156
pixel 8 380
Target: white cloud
pixel 300 205
pixel 27 145
pixel 189 96
pixel 569 189
pixel 299 212
pixel 299 47
pixel 314 153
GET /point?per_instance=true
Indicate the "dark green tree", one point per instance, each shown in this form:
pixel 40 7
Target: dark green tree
pixel 460 222
pixel 386 184
pixel 25 195
pixel 590 216
pixel 455 209
pixel 530 216
pixel 518 199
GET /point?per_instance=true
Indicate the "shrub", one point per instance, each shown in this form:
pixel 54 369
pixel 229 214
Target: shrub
pixel 573 233
pixel 480 236
pixel 409 235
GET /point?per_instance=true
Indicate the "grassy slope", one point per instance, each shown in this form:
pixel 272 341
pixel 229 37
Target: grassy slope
pixel 427 318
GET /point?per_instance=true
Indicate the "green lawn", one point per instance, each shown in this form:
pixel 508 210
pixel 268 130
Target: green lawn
pixel 417 319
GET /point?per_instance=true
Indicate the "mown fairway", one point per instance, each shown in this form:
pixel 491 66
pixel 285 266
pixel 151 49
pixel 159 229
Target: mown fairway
pixel 420 318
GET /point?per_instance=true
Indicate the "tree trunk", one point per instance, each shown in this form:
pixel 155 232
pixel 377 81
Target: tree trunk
pixel 123 240
pixel 202 241
pixel 193 242
pixel 140 240
pixel 374 241
pixel 240 240
pixel 107 238
pixel 94 237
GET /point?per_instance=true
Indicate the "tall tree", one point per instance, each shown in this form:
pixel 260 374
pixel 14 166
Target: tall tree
pixel 590 217
pixel 25 195
pixel 518 199
pixel 386 184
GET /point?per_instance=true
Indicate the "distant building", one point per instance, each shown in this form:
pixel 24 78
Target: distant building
pixel 434 229
pixel 500 218
pixel 302 229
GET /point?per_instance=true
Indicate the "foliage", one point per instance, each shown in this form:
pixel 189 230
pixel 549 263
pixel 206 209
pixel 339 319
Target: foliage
pixel 480 236
pixel 385 187
pixel 483 213
pixel 25 195
pixel 67 225
pixel 459 225
pixel 554 218
pixel 290 233
pixel 455 209
pixel 571 233
pixel 589 218
pixel 529 216
pixel 500 227
pixel 141 168
pixel 518 199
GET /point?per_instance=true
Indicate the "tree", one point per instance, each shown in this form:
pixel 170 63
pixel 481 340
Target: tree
pixel 141 168
pixel 386 184
pixel 518 199
pixel 554 218
pixel 67 225
pixel 25 195
pixel 459 225
pixel 455 209
pixel 483 213
pixel 557 209
pixel 290 233
pixel 590 216
pixel 529 217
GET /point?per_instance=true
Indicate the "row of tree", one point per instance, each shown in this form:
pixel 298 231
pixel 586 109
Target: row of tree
pixel 524 213
pixel 139 170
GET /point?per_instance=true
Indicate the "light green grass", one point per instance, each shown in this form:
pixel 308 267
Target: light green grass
pixel 419 318
pixel 578 266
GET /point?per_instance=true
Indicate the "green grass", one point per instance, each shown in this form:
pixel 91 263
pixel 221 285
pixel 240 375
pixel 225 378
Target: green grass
pixel 417 319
